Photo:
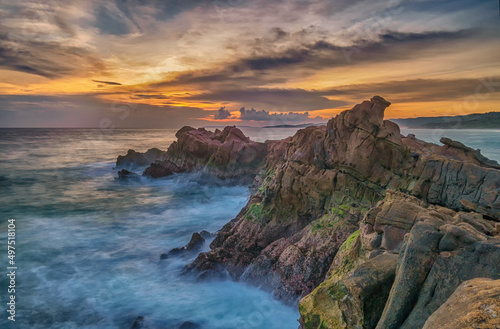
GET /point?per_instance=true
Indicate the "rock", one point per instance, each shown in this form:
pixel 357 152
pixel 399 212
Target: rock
pixel 156 170
pixel 194 246
pixel 139 323
pixel 188 325
pixel 206 234
pixel 433 207
pixel 316 186
pixel 368 288
pixel 225 154
pixel 133 159
pixel 426 274
pixel 462 152
pixel 126 175
pixel 450 269
pixel 414 264
pixel 197 241
pixel 474 304
pixel 457 236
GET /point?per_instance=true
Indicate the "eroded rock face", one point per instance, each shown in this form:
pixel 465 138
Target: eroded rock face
pixel 474 304
pixel 224 154
pixel 316 187
pixel 437 252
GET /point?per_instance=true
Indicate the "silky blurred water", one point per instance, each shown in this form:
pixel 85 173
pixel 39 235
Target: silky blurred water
pixel 88 246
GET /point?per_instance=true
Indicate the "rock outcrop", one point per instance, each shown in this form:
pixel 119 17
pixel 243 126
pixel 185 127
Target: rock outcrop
pixel 316 187
pixel 134 160
pixel 414 254
pixel 226 154
pixel 376 229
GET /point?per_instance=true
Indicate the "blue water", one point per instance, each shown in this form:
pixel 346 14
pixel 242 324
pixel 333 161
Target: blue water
pixel 88 246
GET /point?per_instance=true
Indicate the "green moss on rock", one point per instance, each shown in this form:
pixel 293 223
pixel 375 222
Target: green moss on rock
pixel 320 309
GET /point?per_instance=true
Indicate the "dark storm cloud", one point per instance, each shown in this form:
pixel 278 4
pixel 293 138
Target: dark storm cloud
pixel 111 22
pixel 259 70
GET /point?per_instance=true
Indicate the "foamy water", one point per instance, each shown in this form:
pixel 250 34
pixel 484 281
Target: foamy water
pixel 88 246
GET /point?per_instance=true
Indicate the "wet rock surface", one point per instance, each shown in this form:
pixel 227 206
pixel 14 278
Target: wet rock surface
pixel 195 244
pixel 134 160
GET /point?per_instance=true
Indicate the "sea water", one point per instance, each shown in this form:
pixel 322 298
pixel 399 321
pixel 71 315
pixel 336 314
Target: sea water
pixel 88 246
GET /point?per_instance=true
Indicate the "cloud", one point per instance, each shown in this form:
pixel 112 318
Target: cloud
pixel 108 82
pixel 42 39
pixel 222 114
pixel 279 100
pixel 85 111
pixel 420 90
pixel 290 117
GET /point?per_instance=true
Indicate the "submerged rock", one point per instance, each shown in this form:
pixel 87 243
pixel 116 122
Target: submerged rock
pixel 126 175
pixel 133 159
pixel 139 323
pixel 188 325
pixel 195 244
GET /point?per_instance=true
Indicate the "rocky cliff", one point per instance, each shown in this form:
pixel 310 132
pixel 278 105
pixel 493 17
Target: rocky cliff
pixel 377 230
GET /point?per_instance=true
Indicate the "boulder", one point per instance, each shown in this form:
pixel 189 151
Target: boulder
pixel 474 304
pixel 139 323
pixel 195 244
pixel 126 175
pixel 134 160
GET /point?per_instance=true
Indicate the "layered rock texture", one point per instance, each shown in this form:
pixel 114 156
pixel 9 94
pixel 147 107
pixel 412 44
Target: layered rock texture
pixel 226 154
pixel 375 229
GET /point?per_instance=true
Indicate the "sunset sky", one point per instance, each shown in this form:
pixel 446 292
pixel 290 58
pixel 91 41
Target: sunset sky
pixel 164 64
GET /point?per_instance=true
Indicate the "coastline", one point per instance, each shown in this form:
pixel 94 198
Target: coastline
pixel 292 248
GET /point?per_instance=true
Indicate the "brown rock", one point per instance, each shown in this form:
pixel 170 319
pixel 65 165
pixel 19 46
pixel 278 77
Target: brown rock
pixel 475 304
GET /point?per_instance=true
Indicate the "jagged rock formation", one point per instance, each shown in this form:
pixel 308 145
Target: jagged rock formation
pixel 133 159
pixel 408 258
pixel 391 224
pixel 316 187
pixel 224 154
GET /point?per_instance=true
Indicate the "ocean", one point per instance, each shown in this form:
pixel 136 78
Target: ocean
pixel 88 246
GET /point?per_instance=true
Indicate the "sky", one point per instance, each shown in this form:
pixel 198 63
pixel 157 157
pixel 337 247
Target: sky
pixel 165 64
